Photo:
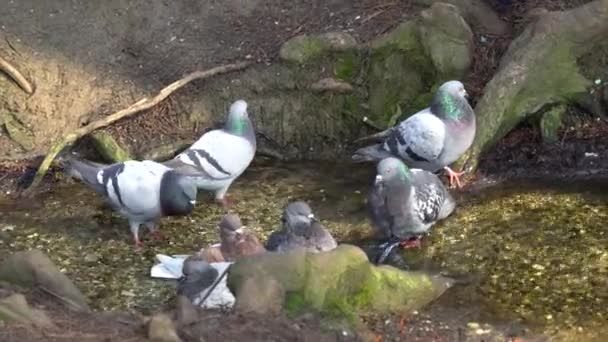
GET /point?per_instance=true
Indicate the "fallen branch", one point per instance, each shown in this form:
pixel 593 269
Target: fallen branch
pixel 17 76
pixel 139 106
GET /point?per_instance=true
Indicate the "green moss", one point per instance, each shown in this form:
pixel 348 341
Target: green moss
pixel 399 72
pixel 302 49
pixel 109 148
pixel 347 66
pixel 550 122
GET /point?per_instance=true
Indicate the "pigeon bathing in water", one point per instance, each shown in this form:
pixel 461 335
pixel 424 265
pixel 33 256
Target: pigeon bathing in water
pixel 405 203
pixel 300 229
pixel 236 241
pixel 197 276
pixel 142 191
pixel 431 139
pixel 220 155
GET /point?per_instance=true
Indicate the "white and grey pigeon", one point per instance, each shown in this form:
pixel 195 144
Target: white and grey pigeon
pixel 141 191
pixel 404 203
pixel 300 229
pixel 431 139
pixel 217 158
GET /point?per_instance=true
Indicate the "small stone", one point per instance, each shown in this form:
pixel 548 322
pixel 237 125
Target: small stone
pixel 91 258
pixel 161 329
pixel 185 311
pixel 473 325
pixel 331 85
pixel 127 293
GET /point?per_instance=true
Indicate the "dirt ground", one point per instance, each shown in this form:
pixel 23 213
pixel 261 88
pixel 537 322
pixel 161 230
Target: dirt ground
pixel 225 31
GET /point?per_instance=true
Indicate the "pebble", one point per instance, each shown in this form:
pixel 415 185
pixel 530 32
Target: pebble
pixel 91 258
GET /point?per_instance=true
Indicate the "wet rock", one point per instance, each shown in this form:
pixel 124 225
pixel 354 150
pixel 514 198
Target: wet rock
pixel 448 39
pixel 261 295
pixel 185 311
pixel 34 269
pixel 161 329
pixel 304 48
pixel 340 282
pixel 15 308
pixel 109 148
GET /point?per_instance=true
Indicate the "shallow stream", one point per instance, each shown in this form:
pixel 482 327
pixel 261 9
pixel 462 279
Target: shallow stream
pixel 531 251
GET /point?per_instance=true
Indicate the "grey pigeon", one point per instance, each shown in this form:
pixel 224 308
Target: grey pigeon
pixel 141 191
pixel 405 203
pixel 197 276
pixel 217 158
pixel 431 139
pixel 300 229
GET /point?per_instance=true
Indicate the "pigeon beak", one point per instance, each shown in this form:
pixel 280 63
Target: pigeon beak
pixel 378 179
pixel 465 94
pixel 311 216
pixel 239 231
pixel 193 202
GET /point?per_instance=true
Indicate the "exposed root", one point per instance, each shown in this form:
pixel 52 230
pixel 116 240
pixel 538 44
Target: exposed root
pixel 139 106
pixel 17 76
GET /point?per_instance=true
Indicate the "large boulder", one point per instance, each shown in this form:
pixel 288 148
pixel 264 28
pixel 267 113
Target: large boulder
pixel 340 283
pixel 34 269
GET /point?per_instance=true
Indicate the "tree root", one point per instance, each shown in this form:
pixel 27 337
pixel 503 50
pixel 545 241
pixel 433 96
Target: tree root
pixel 540 68
pixel 17 76
pixel 139 106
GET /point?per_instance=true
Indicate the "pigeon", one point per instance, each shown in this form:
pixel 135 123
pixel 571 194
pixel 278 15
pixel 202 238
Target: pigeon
pixel 218 157
pixel 300 229
pixel 236 241
pixel 141 191
pixel 405 203
pixel 431 139
pixel 198 275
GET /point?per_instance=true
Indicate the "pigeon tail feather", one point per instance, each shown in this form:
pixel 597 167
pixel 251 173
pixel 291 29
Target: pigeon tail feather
pixel 371 153
pixel 375 137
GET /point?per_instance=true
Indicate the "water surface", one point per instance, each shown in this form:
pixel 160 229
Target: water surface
pixel 532 251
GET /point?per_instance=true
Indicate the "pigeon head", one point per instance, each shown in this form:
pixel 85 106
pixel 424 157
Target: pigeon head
pixel 450 101
pixel 392 169
pixel 297 215
pixel 194 264
pixel 231 229
pixel 177 194
pixel 238 118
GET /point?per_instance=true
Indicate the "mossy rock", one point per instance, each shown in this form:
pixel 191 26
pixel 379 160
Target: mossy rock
pixel 304 48
pixel 341 283
pixel 109 148
pixel 447 39
pixel 399 71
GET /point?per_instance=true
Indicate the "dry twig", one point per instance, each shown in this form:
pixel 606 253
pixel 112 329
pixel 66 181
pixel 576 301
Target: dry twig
pixel 139 106
pixel 17 76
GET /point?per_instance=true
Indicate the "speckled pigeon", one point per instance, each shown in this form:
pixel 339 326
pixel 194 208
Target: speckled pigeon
pixel 141 191
pixel 405 203
pixel 300 229
pixel 431 139
pixel 236 241
pixel 220 155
